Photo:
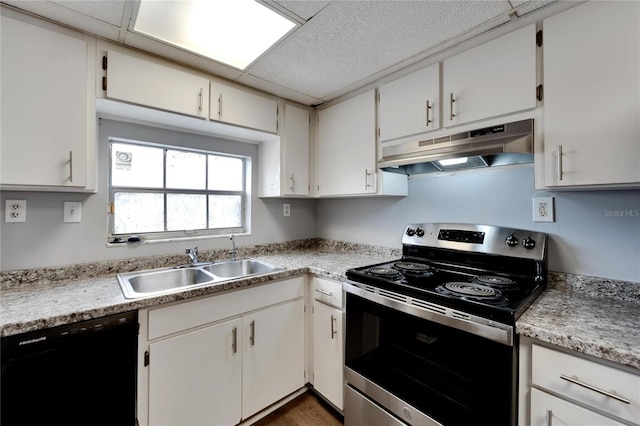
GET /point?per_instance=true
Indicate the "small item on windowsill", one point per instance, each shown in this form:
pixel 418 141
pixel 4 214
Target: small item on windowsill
pixel 117 240
pixel 134 239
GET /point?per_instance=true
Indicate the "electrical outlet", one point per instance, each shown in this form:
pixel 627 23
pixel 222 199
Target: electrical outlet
pixel 543 209
pixel 286 209
pixel 72 212
pixel 15 210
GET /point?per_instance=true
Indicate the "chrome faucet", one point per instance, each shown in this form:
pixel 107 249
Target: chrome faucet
pixel 193 255
pixel 233 244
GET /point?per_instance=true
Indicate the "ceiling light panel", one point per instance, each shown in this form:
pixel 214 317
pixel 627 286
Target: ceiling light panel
pixel 232 32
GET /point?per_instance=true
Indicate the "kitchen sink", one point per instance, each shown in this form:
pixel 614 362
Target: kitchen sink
pixel 240 268
pixel 163 281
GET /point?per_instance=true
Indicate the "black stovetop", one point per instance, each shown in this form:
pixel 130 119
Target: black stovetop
pixel 489 293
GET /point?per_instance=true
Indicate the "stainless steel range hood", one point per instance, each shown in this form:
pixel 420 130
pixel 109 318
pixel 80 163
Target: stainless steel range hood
pixel 504 144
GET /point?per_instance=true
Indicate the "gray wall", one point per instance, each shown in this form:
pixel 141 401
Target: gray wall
pixel 44 240
pixel 596 233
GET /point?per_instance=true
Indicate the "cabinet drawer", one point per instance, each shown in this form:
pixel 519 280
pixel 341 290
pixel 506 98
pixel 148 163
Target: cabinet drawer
pixel 549 410
pixel 328 291
pixel 587 382
pixel 182 316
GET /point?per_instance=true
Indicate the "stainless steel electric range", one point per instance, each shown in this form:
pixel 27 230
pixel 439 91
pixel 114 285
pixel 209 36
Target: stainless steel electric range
pixel 430 337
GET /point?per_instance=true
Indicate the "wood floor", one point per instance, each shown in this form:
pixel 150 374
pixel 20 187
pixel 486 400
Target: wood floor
pixel 306 410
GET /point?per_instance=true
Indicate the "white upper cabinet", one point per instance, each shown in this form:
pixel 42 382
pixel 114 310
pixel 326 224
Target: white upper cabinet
pixel 284 163
pixel 493 79
pixel 410 105
pixel 143 82
pixel 295 136
pixel 347 151
pixel 241 107
pixel 48 108
pixel 592 95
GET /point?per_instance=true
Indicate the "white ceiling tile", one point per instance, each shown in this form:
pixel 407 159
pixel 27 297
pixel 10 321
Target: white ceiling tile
pixel 350 40
pixel 109 11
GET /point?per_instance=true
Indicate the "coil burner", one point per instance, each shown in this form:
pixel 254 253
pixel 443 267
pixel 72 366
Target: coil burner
pixel 474 292
pixel 495 281
pixel 383 272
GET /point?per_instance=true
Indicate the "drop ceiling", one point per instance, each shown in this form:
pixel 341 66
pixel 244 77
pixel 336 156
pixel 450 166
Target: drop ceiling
pixel 338 47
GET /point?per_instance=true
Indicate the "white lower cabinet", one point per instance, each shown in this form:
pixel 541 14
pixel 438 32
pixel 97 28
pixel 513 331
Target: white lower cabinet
pixel 273 357
pixel 548 410
pixel 194 378
pixel 328 340
pixel 220 359
pixel 568 389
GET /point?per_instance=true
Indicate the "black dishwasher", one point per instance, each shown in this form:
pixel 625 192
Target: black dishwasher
pixel 77 374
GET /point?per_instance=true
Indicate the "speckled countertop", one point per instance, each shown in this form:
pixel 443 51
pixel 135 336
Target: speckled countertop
pixel 593 316
pixel 590 315
pixel 28 303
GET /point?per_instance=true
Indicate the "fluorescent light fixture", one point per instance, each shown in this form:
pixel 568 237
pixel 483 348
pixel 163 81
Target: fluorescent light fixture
pixel 234 32
pixel 453 161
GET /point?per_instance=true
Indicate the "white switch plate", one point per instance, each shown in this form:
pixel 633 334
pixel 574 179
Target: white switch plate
pixel 543 209
pixel 286 209
pixel 72 212
pixel 15 210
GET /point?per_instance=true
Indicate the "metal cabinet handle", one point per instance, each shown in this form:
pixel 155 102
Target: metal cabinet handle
pixel 367 174
pixel 220 105
pixel 293 182
pixel 451 101
pixel 549 417
pixel 326 293
pixel 234 345
pixel 252 335
pixel 333 329
pixel 559 162
pixel 70 166
pixel 428 113
pixel 574 380
pixel 200 101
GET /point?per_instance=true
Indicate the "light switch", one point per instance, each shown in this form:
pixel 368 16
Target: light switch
pixel 72 211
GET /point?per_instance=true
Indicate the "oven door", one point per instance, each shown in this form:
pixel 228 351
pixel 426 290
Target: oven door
pixel 402 360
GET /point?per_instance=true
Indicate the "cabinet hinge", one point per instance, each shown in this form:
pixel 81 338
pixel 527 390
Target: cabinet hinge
pixel 539 92
pixel 277 123
pixel 104 83
pixel 104 63
pixel 539 38
pixel 378 97
pixel 146 358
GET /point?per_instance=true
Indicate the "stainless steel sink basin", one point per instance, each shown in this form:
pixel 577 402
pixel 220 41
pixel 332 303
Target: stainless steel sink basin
pixel 240 268
pixel 163 281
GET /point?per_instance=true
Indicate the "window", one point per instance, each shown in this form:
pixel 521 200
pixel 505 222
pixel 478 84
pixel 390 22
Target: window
pixel 160 192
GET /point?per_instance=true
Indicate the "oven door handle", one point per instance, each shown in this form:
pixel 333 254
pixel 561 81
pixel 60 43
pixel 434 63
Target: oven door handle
pixel 498 332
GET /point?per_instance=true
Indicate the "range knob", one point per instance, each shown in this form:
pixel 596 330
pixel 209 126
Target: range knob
pixel 528 243
pixel 411 232
pixel 511 240
pixel 420 232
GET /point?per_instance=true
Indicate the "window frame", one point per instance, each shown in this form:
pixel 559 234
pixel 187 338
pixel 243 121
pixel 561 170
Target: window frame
pixel 167 235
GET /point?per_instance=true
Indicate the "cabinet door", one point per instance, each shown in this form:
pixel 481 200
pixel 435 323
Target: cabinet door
pixel 296 150
pixel 592 94
pixel 143 82
pixel 273 355
pixel 46 138
pixel 548 410
pixel 195 378
pixel 347 147
pixel 495 78
pixel 410 105
pixel 328 358
pixel 237 106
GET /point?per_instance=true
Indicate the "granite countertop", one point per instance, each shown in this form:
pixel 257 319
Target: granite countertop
pixel 596 317
pixel 37 305
pixel 590 315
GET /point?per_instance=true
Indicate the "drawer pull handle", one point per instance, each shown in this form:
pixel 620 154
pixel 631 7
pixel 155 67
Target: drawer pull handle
pixel 574 380
pixel 252 336
pixel 234 345
pixel 326 293
pixel 549 418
